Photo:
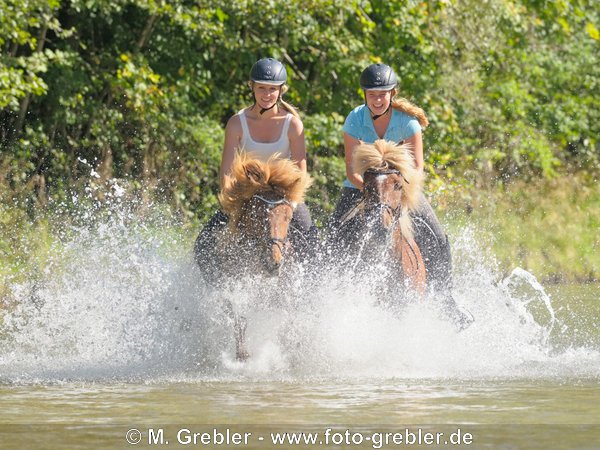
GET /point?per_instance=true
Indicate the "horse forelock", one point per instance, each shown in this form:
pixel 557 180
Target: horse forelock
pixel 250 176
pixel 384 154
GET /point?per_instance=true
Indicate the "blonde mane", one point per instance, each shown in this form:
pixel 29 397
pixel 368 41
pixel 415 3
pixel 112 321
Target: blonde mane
pixel 387 155
pixel 250 176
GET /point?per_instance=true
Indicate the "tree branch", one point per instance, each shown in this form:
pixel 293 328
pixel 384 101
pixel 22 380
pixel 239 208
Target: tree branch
pixel 25 102
pixel 145 37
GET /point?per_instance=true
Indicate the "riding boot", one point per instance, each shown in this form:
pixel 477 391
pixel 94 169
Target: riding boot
pixel 460 317
pixel 441 265
pixel 435 248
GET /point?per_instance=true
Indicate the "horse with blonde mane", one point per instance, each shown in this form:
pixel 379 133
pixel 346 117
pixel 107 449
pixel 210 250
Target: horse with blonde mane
pixel 379 232
pixel 379 229
pixel 259 202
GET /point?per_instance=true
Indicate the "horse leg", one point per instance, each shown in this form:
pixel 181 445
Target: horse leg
pixel 239 331
pixel 413 266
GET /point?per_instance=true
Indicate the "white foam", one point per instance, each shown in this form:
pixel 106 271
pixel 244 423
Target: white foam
pixel 119 300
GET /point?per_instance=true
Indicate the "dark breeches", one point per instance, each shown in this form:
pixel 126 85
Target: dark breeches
pixel 433 243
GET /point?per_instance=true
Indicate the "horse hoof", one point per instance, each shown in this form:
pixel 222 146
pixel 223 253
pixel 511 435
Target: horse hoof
pixel 242 355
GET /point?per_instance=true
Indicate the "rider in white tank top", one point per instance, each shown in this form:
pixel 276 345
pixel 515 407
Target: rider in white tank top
pixel 265 73
pixel 263 150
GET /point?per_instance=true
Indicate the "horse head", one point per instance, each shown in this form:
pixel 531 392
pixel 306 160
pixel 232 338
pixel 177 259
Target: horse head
pixel 392 185
pixel 260 201
pixel 264 223
pixel 383 197
pixel 392 189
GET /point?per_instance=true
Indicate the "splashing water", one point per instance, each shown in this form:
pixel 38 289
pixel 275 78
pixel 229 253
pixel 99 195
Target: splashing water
pixel 522 285
pixel 121 298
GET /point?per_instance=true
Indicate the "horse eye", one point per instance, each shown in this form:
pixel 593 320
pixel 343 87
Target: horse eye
pixel 398 186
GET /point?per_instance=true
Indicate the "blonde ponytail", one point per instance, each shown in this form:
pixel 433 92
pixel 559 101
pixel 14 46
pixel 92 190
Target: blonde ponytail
pixel 286 105
pixel 403 105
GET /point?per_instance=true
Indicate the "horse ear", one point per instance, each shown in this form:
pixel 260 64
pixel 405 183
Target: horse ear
pixel 297 186
pixel 254 172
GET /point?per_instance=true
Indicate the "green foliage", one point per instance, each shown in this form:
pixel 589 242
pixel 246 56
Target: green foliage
pixel 323 135
pixel 139 91
pixel 548 227
pixel 327 173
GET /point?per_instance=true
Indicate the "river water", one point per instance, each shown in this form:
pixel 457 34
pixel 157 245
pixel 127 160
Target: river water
pixel 117 338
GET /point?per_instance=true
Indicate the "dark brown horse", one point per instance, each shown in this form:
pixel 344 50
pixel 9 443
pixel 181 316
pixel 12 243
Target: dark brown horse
pixel 258 203
pixel 381 226
pixel 379 230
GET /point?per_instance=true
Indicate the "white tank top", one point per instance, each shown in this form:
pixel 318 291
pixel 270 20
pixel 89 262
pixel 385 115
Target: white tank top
pixel 263 150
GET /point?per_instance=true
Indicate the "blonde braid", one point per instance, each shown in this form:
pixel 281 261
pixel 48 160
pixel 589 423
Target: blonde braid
pixel 286 105
pixel 405 106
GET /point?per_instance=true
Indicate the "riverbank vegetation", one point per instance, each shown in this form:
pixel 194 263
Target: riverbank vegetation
pixel 103 97
pixel 547 226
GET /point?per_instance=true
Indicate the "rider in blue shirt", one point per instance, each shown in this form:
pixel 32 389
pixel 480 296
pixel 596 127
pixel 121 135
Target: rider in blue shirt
pixel 383 116
pixel 360 125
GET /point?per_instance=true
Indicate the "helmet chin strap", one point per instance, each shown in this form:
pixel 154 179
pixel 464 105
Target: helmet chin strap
pixel 264 110
pixel 377 116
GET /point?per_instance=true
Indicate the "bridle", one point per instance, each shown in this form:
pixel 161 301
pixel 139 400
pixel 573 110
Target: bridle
pixel 394 212
pixel 360 205
pixel 279 242
pixel 386 171
pixel 273 203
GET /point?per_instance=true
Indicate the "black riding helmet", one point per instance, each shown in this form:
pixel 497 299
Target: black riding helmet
pixel 268 71
pixel 380 77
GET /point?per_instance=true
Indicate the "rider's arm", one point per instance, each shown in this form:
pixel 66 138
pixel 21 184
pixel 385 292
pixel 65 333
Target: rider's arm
pixel 233 136
pixel 416 147
pixel 297 143
pixel 350 144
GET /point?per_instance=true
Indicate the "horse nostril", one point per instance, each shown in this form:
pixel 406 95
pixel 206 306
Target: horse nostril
pixel 272 266
pixel 272 259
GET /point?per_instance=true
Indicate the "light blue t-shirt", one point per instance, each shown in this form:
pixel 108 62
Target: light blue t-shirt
pixel 359 125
